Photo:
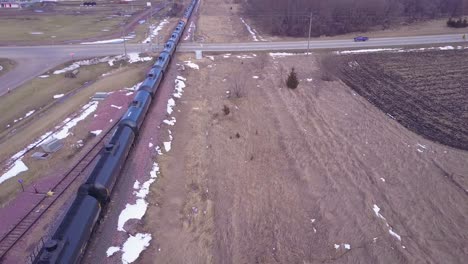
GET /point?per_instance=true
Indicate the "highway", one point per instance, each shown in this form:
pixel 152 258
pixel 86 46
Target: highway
pixel 35 60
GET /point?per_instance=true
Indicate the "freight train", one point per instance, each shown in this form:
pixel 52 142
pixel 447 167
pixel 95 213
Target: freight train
pixel 68 243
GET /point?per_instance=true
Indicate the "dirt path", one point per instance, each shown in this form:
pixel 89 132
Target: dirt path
pixel 314 175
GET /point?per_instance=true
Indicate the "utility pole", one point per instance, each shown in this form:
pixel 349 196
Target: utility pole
pixel 149 4
pixel 310 28
pixel 124 44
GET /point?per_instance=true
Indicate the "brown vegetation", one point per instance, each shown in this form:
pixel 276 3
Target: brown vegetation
pixel 333 17
pixel 424 91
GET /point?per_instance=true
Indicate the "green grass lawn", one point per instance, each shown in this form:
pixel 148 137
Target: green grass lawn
pixel 63 27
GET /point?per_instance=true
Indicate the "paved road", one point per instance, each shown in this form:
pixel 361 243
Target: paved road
pixel 34 60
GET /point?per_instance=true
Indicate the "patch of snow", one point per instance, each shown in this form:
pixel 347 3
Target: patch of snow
pixel 422 146
pixel 154 31
pixel 57 96
pixel 170 122
pixel 252 31
pixel 364 51
pixel 136 185
pixel 112 250
pixel 382 179
pixel 78 64
pixel 210 57
pixel 244 57
pixel 158 150
pixel 134 246
pixel 132 211
pixel 14 170
pixel 337 246
pixel 135 57
pixel 189 31
pixel 29 113
pixel 44 76
pixel 394 234
pixel 115 106
pixel 96 132
pixel 283 54
pixel 447 48
pixel 227 55
pixel 170 105
pixel 377 211
pixel 109 41
pixel 129 93
pixel 65 130
pixel 420 150
pixel 192 65
pixel 179 86
pixel 309 79
pixel 167 146
pixel 255 77
pixel 36 33
pixel 347 246
pixel 150 145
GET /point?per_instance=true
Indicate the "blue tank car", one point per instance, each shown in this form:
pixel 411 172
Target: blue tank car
pixel 136 113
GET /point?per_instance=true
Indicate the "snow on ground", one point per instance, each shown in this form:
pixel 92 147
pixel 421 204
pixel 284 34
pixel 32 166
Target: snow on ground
pixel 14 170
pixel 44 76
pixel 78 64
pixel 447 48
pixel 134 246
pixel 155 30
pixel 179 86
pixel 132 211
pixel 210 57
pixel 110 251
pixel 167 146
pixel 283 54
pixel 170 106
pixel 115 106
pixel 25 116
pixel 255 77
pixel 132 58
pixel 70 123
pixel 62 133
pixel 376 210
pixel 364 51
pixel 252 31
pixel 96 132
pixel 57 96
pixel 135 57
pixel 110 41
pixel 189 31
pixel 192 65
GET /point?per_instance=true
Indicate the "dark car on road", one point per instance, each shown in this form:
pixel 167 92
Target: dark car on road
pixel 361 38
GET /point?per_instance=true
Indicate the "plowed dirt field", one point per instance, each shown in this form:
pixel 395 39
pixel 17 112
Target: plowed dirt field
pixel 426 92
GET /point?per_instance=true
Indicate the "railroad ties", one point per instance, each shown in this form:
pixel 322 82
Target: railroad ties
pixel 9 240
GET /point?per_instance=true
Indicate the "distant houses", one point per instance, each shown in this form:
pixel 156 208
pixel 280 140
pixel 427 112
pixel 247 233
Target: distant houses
pixel 10 5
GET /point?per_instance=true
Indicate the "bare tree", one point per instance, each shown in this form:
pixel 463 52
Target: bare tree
pixel 238 85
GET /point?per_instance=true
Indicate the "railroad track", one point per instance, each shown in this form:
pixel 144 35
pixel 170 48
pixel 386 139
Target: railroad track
pixel 18 231
pixel 7 162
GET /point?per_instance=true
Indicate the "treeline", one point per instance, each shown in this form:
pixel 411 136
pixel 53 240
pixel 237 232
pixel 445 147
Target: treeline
pixel 333 17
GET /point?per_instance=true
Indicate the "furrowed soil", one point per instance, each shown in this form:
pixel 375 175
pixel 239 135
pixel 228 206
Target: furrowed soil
pixel 312 175
pixel 425 91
